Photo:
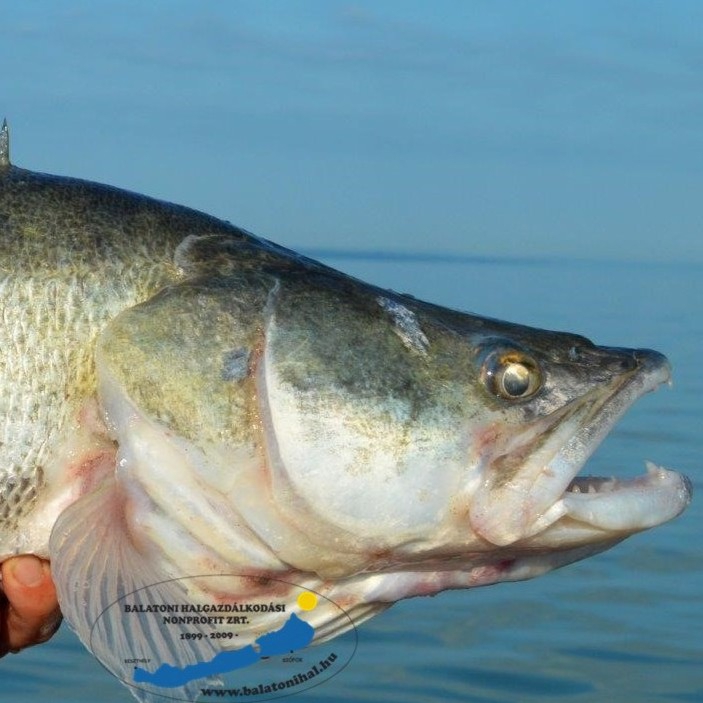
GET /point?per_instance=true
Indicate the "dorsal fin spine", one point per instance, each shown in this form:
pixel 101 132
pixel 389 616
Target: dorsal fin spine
pixel 4 145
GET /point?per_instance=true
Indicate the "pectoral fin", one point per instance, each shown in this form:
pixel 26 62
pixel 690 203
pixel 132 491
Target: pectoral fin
pixel 105 585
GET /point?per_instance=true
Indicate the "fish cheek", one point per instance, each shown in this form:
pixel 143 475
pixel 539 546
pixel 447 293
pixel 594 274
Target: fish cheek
pixel 371 432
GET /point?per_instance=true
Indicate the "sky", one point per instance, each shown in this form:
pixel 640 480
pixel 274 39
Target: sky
pixel 512 129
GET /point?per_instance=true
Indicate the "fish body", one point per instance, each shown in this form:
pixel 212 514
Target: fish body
pixel 182 399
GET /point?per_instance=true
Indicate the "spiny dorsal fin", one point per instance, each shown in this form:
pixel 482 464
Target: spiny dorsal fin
pixel 4 145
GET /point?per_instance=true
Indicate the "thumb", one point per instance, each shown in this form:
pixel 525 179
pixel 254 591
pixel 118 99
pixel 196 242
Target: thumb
pixel 32 614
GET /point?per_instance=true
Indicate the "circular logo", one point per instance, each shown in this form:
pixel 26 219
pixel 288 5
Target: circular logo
pixel 191 639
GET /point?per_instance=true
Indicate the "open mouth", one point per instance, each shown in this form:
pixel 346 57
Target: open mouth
pixel 545 496
pixel 626 505
pixel 635 504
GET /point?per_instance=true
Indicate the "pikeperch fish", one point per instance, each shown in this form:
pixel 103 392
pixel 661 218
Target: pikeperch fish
pixel 192 412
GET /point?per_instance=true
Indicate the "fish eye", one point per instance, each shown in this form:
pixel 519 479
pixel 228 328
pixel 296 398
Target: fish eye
pixel 511 375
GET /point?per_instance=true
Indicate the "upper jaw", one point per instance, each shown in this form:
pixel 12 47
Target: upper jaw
pixel 625 506
pixel 543 502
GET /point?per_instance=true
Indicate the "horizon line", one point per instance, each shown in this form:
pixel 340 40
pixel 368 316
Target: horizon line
pixel 446 257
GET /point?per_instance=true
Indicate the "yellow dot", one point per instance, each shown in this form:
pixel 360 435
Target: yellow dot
pixel 307 600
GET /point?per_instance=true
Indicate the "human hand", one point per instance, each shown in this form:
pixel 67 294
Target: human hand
pixel 29 610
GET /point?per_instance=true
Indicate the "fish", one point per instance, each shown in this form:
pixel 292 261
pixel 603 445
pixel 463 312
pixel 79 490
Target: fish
pixel 195 418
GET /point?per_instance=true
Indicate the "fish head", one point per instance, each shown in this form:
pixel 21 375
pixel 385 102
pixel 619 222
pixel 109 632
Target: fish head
pixel 368 438
pixel 435 437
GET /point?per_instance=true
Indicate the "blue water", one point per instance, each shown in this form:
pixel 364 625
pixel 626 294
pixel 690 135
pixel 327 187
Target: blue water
pixel 625 626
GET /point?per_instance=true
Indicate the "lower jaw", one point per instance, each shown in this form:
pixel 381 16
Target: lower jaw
pixel 628 506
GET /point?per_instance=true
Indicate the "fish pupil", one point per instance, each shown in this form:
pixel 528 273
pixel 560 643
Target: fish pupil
pixel 515 380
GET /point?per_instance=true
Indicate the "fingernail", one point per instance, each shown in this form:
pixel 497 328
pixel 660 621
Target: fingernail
pixel 28 570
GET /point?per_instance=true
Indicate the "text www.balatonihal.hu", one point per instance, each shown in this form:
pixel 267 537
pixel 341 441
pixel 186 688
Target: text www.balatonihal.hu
pixel 274 686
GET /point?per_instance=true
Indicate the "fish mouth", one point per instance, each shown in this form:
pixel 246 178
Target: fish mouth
pixel 547 503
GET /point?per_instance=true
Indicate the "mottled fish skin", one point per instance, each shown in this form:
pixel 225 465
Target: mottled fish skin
pixel 211 403
pixel 73 254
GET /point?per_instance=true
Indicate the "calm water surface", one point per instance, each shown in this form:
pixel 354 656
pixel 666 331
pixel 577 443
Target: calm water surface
pixel 624 626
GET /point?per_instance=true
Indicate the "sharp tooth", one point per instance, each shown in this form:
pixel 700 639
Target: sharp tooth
pixel 576 489
pixel 654 470
pixel 592 488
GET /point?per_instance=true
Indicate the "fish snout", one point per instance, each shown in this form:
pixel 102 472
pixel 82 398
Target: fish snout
pixel 644 360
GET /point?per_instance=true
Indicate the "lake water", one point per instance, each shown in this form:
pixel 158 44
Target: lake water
pixel 623 626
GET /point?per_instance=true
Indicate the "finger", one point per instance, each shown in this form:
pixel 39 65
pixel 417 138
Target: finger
pixel 32 614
